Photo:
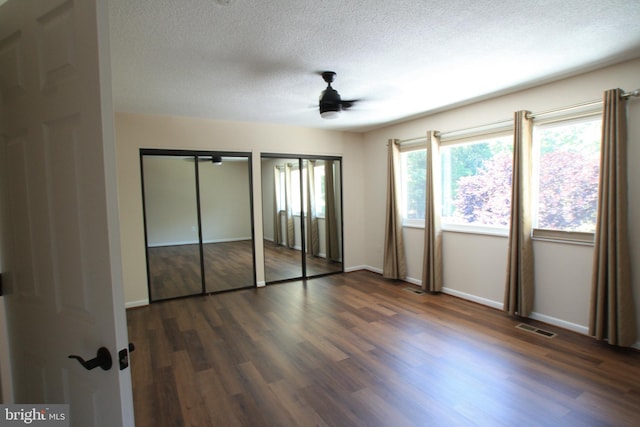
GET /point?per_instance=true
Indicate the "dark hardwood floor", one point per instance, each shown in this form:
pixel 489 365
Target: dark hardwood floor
pixel 282 263
pixel 356 350
pixel 174 271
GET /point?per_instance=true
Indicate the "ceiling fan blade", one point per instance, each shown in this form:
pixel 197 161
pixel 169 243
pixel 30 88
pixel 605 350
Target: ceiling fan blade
pixel 348 103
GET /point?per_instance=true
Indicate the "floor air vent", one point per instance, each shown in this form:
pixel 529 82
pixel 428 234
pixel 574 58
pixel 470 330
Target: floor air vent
pixel 415 291
pixel 535 330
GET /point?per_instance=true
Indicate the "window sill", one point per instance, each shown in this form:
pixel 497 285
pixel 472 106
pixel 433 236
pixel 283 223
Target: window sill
pixel 569 237
pixel 557 236
pixel 413 223
pixel 461 228
pixel 476 229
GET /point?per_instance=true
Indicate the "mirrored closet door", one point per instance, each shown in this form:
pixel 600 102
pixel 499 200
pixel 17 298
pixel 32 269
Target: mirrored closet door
pixel 302 216
pixel 198 222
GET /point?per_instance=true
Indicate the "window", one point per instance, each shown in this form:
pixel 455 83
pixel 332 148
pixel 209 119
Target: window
pixel 476 182
pixel 319 190
pixel 280 190
pixel 295 191
pixel 476 176
pixel 567 166
pixel 414 185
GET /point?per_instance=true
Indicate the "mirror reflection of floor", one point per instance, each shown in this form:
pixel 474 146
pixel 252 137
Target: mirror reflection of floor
pixel 175 270
pixel 281 263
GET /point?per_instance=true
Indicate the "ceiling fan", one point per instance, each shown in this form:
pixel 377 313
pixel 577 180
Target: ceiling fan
pixel 330 102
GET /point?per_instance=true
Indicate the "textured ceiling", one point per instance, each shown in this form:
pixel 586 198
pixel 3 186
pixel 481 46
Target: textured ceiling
pixel 256 60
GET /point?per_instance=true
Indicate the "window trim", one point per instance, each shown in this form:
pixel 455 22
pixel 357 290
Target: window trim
pixel 504 128
pixel 592 113
pixel 560 236
pixel 485 230
pixel 471 138
pixel 414 145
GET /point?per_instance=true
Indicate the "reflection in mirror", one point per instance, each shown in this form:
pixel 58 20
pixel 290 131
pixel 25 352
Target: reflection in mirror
pixel 281 219
pixel 181 212
pixel 323 216
pixel 225 206
pixel 171 218
pixel 301 209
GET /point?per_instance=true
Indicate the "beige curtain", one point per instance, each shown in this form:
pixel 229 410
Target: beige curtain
pixel 330 215
pixel 518 296
pixel 277 229
pixel 394 265
pixel 432 263
pixel 291 238
pixel 612 315
pixel 313 241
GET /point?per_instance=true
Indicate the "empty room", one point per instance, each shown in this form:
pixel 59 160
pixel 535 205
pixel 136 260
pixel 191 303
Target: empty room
pixel 357 213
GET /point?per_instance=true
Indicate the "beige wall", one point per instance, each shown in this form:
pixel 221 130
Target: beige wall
pixel 474 265
pixel 134 131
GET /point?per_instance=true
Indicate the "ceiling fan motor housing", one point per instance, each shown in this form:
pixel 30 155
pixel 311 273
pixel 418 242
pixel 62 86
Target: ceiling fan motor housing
pixel 330 100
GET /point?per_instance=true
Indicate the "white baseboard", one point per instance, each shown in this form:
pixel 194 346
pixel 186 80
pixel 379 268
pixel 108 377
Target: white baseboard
pixel 232 239
pixel 261 284
pixel 195 242
pixel 139 303
pixel 355 268
pixel 373 269
pixel 461 295
pixel 474 298
pixel 413 281
pixel 560 323
pixel 180 243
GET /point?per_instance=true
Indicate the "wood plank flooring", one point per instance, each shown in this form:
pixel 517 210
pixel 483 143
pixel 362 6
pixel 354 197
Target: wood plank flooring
pixel 175 270
pixel 281 263
pixel 357 350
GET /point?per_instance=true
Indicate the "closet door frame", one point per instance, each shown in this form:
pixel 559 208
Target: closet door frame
pixel 196 154
pixel 300 158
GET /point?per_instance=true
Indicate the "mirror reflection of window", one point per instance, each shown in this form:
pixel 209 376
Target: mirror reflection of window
pixel 302 217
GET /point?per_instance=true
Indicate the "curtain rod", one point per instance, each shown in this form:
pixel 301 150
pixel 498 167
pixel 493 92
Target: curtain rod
pixel 570 107
pixel 630 94
pixel 475 129
pixel 464 131
pixel 410 140
pixel 624 95
pixel 471 130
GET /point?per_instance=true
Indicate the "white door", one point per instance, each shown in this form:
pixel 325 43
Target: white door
pixel 62 263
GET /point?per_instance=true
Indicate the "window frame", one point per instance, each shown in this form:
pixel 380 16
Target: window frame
pixel 416 145
pixel 549 234
pixel 587 113
pixel 295 178
pixel 320 184
pixel 471 138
